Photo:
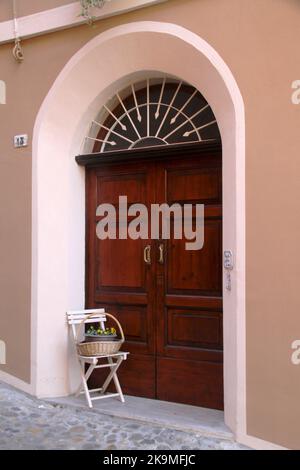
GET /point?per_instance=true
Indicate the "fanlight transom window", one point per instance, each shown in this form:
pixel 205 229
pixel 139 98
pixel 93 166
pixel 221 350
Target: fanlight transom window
pixel 150 113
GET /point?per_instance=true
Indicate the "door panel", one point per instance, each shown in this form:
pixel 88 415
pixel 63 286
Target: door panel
pixel 193 382
pixel 198 329
pixel 138 376
pixel 121 253
pixel 196 272
pixel 193 184
pixel 132 185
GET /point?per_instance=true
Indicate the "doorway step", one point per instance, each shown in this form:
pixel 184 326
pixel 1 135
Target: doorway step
pixel 203 421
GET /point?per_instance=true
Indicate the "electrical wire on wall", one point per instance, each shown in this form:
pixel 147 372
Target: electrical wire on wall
pixel 17 50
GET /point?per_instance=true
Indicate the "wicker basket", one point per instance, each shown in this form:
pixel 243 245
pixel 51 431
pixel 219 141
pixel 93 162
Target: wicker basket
pixel 99 348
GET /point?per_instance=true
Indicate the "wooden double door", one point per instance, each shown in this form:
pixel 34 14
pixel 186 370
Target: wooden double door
pixel 168 299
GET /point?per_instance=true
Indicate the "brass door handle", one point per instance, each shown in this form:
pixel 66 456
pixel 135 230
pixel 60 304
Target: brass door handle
pixel 161 258
pixel 147 254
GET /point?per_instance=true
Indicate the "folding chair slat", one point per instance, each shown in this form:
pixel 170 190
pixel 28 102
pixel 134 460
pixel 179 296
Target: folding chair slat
pixel 82 317
pixel 87 312
pixel 90 320
pixel 77 317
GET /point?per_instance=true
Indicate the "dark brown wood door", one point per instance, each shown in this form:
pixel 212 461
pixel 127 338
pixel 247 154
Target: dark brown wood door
pixel 171 309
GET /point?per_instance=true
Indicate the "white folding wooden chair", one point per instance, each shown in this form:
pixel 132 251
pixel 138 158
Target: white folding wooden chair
pixel 75 318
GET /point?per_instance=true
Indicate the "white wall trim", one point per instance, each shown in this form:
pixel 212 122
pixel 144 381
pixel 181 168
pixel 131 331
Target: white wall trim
pixel 15 382
pixel 66 16
pixel 258 444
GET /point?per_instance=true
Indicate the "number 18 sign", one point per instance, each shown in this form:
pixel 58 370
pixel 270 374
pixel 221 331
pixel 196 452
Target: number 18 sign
pixel 20 140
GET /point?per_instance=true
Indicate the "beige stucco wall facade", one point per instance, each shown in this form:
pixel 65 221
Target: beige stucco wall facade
pixel 258 41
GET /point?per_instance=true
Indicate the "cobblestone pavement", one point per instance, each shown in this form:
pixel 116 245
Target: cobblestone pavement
pixel 29 423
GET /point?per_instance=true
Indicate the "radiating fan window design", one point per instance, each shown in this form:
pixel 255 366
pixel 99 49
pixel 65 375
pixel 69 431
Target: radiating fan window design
pixel 150 113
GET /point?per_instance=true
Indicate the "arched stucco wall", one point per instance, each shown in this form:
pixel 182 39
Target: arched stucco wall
pixel 58 246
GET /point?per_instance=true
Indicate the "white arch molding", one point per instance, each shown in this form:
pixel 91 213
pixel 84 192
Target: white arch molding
pixel 102 66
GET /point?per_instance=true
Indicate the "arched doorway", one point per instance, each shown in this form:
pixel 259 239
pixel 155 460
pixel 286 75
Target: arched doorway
pixel 167 297
pixel 58 247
